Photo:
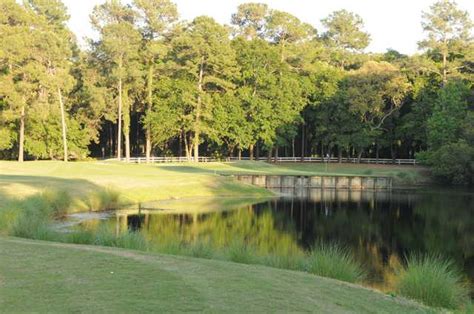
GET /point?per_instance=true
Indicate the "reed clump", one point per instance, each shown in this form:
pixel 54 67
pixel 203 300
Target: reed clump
pixel 433 280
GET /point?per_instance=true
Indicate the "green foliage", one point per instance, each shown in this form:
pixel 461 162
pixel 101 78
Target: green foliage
pixel 452 163
pixel 344 30
pixel 334 261
pixel 433 280
pixel 445 125
pixel 448 30
pixel 160 83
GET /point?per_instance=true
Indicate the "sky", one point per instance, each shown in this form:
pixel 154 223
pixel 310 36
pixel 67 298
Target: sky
pixel 392 24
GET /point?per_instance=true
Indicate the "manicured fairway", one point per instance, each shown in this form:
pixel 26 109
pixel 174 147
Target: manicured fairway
pixel 166 181
pixel 50 277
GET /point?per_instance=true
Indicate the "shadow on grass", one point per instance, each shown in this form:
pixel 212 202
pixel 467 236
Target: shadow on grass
pixel 13 186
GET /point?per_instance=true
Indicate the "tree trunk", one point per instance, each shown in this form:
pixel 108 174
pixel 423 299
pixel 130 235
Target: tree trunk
pixel 269 154
pixel 127 144
pixel 359 156
pixel 21 140
pixel 119 128
pixel 377 149
pixel 198 113
pixel 293 147
pixel 445 61
pixel 63 124
pixel 186 147
pixel 339 154
pixel 180 144
pixel 392 153
pixel 302 142
pixel 276 153
pixel 150 103
pixel 240 153
pixel 251 152
pixel 111 140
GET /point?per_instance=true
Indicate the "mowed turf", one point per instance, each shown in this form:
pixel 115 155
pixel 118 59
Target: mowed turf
pixel 40 276
pixel 141 182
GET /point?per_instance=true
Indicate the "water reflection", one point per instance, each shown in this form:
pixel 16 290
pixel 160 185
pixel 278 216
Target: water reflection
pixel 380 226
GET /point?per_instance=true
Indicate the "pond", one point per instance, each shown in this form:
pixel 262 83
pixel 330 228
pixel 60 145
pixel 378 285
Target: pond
pixel 381 227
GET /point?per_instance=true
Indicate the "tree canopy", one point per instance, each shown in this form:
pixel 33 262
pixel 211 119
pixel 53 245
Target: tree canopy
pixel 268 84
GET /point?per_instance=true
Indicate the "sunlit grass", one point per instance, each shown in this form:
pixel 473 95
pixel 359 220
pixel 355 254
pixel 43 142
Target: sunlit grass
pixel 141 182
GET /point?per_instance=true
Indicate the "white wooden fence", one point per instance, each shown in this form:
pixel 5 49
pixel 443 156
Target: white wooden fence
pixel 383 161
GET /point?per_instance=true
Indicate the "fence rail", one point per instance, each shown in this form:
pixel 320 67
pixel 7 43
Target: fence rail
pixel 382 161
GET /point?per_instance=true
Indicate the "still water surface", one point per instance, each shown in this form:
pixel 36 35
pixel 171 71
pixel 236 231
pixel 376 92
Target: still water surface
pixel 380 227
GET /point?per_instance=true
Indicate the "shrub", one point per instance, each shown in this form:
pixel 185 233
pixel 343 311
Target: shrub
pixel 334 261
pixel 451 163
pixel 433 280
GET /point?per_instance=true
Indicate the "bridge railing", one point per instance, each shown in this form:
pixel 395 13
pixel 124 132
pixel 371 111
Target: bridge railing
pixel 381 161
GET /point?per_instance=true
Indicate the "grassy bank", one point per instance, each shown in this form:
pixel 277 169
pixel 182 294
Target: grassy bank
pixel 434 282
pixel 96 279
pixel 31 198
pixel 139 183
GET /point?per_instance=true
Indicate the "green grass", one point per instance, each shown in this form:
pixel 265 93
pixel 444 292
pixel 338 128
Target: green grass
pixel 433 280
pixel 53 277
pixel 28 207
pixel 141 182
pixel 334 261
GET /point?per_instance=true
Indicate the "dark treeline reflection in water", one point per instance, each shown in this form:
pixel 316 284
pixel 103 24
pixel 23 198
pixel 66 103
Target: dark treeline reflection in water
pixel 380 227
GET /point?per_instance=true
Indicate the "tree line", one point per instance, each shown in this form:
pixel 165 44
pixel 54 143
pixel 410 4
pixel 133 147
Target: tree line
pixel 268 84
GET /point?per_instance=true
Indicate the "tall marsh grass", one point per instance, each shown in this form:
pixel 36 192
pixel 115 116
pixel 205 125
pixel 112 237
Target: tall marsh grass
pixel 334 261
pixel 433 280
pixel 34 214
pixel 198 249
pixel 241 252
pixel 106 199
